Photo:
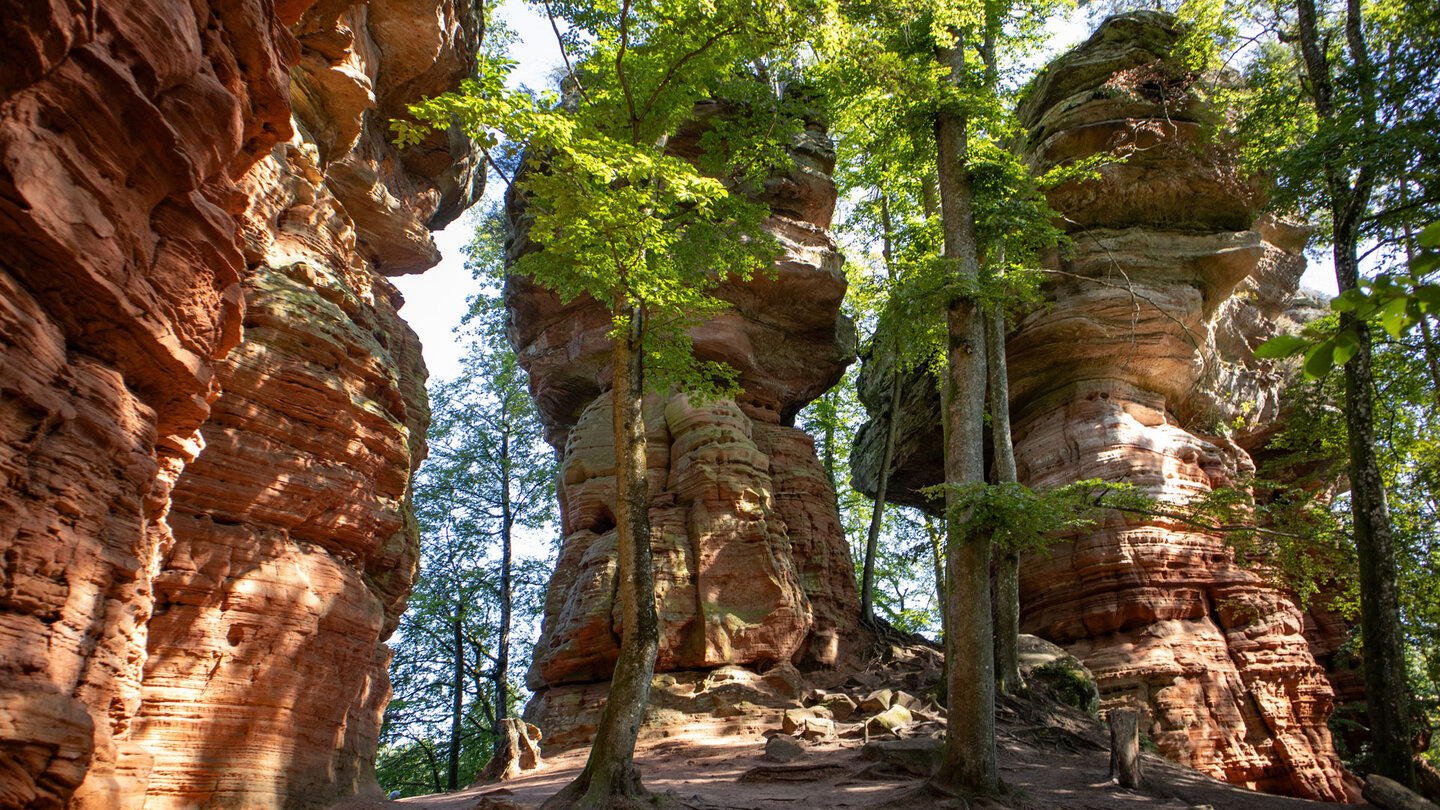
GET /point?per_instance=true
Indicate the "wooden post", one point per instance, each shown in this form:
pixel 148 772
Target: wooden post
pixel 1125 747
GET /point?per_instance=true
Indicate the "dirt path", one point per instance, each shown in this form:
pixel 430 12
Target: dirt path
pixel 1060 765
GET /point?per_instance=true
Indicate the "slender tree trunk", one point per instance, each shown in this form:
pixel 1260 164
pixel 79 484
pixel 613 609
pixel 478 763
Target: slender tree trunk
pixel 434 764
pixel 1387 695
pixel 610 771
pixel 1007 569
pixel 827 414
pixel 969 758
pixel 937 559
pixel 502 644
pixel 877 515
pixel 887 455
pixel 452 774
pixel 501 676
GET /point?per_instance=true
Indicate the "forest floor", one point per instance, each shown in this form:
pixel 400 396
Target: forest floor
pixel 705 769
pixel 1050 756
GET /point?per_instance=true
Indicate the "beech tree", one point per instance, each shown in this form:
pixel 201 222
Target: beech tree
pixel 645 234
pixel 935 71
pixel 1345 111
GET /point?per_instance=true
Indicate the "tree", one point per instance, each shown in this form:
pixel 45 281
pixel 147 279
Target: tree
pixel 933 73
pixel 1360 157
pixel 644 233
pixel 488 473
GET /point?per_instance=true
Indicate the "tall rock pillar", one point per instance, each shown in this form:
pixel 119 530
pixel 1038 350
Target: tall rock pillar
pixel 752 566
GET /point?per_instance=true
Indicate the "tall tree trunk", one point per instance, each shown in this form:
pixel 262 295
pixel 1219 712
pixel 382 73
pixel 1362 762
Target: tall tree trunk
pixel 1387 695
pixel 887 454
pixel 969 759
pixel 501 677
pixel 1007 569
pixel 941 591
pixel 610 771
pixel 452 773
pixel 507 602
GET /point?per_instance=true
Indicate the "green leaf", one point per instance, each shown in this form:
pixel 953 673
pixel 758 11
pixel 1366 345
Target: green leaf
pixel 1424 264
pixel 1347 343
pixel 1429 297
pixel 1347 301
pixel 1281 346
pixel 1319 359
pixel 1394 317
pixel 1430 237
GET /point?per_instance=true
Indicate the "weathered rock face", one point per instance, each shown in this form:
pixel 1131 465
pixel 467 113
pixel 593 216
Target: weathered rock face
pixel 751 562
pixel 209 631
pixel 1141 371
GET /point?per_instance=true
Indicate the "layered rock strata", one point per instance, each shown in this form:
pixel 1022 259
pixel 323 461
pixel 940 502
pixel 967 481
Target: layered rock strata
pixel 751 563
pixel 209 409
pixel 1140 370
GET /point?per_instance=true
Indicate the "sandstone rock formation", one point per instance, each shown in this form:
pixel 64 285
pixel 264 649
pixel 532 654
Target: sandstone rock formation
pixel 194 609
pixel 1140 370
pixel 751 562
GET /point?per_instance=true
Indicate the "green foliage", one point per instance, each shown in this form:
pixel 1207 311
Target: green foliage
pixel 1396 302
pixel 1016 517
pixel 484 438
pixel 611 212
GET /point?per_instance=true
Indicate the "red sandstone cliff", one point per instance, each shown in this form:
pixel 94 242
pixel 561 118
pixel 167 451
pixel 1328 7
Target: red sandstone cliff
pixel 198 206
pixel 1140 370
pixel 751 562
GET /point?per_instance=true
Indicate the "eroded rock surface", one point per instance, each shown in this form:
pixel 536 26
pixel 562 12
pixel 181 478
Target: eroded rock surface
pixel 751 562
pixel 174 176
pixel 1141 370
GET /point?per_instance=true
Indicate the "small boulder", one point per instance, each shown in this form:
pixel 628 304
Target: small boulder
pixel 1391 795
pixel 889 721
pixel 877 701
pixel 907 700
pixel 794 720
pixel 786 680
pixel 781 748
pixel 1050 671
pixel 818 728
pixel 729 673
pixel 916 755
pixel 840 705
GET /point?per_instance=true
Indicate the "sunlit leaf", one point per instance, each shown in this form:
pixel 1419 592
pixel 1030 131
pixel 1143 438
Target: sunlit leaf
pixel 1281 346
pixel 1347 343
pixel 1319 359
pixel 1394 317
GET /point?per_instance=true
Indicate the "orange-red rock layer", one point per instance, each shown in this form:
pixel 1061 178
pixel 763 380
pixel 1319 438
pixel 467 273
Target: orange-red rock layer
pixel 211 634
